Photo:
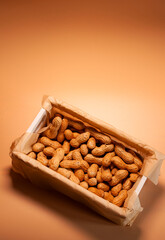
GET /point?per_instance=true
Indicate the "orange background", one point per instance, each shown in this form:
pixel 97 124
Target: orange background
pixel 105 57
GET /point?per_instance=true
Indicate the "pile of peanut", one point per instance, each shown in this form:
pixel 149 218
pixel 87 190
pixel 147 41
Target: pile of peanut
pixel 88 158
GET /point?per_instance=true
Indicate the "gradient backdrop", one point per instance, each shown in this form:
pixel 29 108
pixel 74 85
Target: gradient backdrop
pixel 105 57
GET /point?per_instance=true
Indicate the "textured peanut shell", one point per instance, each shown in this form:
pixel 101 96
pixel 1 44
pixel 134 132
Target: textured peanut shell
pixel 42 158
pixel 118 162
pixel 38 147
pixel 99 151
pixel 49 151
pixel 92 170
pixel 103 186
pixel 68 134
pixel 118 177
pixel 63 127
pixel 98 135
pixel 107 159
pixel 91 144
pixel 75 134
pixel 56 159
pixel 91 159
pixel 126 156
pixel 50 132
pixel 32 155
pixel 96 191
pixel 76 124
pixel 64 172
pixel 92 182
pixel 98 177
pixel 108 196
pixel 50 143
pixel 84 165
pixel 84 149
pixel 116 189
pixel 127 184
pixel 84 184
pixel 133 177
pixel 114 170
pixel 106 174
pixel 66 146
pixel 119 200
pixel 73 178
pixel 137 160
pixel 79 173
pixel 77 155
pixel 70 164
pixel 133 168
pixel 86 178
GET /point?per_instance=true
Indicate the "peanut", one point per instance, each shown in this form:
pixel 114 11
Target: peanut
pixel 134 177
pixel 76 155
pixel 86 178
pixel 76 124
pixel 57 121
pixel 98 176
pixel 103 186
pixel 66 173
pixel 112 166
pixel 116 189
pixel 42 158
pixel 119 200
pixel 108 196
pixel 68 134
pixel 84 165
pixel 107 159
pixel 126 156
pixel 84 149
pixel 106 174
pixel 92 170
pixel 68 156
pixel 75 134
pixel 133 168
pixel 127 184
pixel 91 159
pixel 49 151
pixel 70 164
pixel 114 170
pixel 98 135
pixel 96 191
pixel 52 131
pixel 79 173
pixel 56 159
pixel 63 127
pixel 84 184
pixel 137 160
pixel 32 155
pixel 118 177
pixel 91 144
pixel 38 147
pixel 73 178
pixel 50 143
pixel 92 181
pixel 82 138
pixel 99 151
pixel 66 147
pixel 118 162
